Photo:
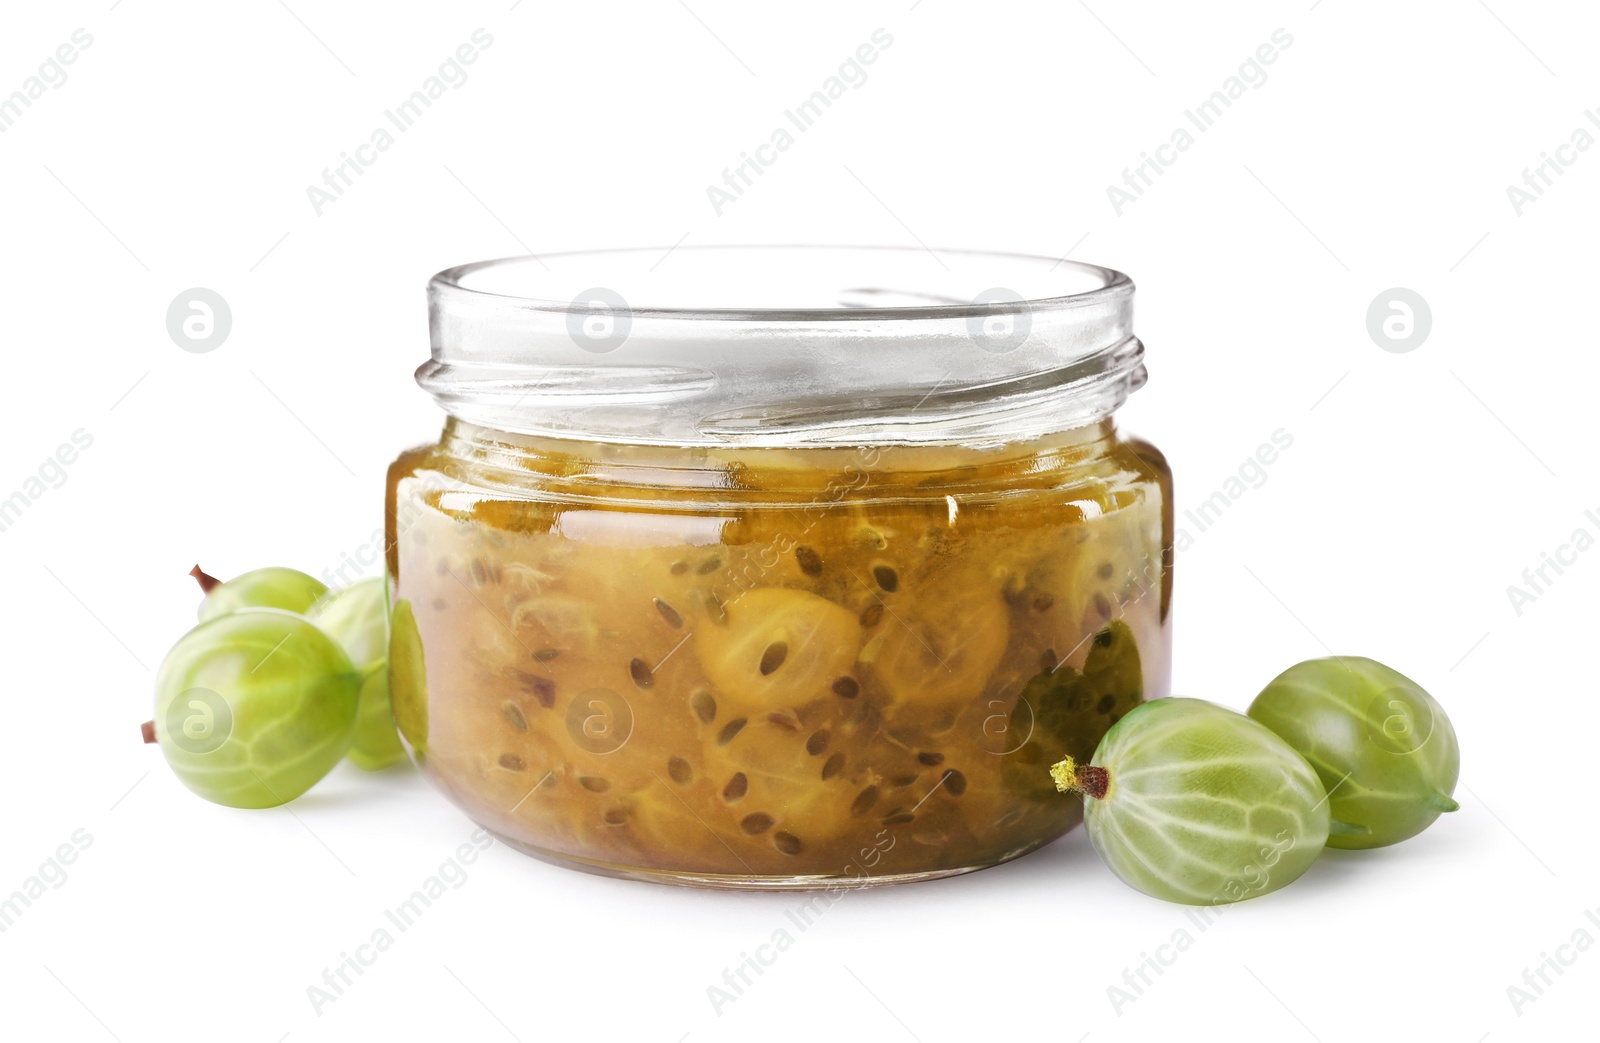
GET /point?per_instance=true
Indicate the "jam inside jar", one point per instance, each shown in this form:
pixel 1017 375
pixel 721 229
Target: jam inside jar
pixel 767 572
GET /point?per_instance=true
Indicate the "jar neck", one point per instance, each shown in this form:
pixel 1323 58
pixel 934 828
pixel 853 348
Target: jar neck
pixel 668 405
pixel 517 461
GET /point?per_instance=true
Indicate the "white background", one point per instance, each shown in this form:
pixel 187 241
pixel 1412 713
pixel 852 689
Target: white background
pixel 1376 154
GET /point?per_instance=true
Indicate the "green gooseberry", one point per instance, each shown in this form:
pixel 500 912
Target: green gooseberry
pixel 358 618
pixel 1191 802
pixel 254 707
pixel 408 677
pixel 1382 745
pixel 275 587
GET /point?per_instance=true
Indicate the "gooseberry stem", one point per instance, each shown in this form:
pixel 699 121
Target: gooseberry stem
pixel 1070 776
pixel 207 582
pixel 148 731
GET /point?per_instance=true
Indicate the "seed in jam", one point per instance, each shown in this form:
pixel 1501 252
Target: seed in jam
pixel 864 801
pixel 730 730
pixel 639 670
pixel 810 561
pixel 788 843
pixel 594 783
pixel 756 822
pixel 930 759
pixel 704 705
pixel 847 687
pixel 773 657
pixel 818 743
pixel 736 788
pixel 541 688
pixel 680 771
pixel 887 577
pixel 511 762
pixel 671 615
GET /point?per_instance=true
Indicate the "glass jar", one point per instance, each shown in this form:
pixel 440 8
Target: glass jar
pixel 776 567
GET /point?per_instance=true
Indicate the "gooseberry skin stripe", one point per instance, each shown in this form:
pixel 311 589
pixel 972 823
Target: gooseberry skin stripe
pixel 1221 874
pixel 1128 817
pixel 1161 820
pixel 1112 854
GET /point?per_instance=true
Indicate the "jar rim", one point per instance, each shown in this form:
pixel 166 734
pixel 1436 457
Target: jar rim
pixel 781 345
pixel 1098 282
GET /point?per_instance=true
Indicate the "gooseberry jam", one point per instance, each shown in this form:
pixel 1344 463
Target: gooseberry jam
pixel 749 635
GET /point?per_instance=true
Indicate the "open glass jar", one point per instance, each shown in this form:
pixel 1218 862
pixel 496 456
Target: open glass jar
pixel 776 567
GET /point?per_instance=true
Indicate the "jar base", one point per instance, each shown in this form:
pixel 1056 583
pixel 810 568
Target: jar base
pixel 738 882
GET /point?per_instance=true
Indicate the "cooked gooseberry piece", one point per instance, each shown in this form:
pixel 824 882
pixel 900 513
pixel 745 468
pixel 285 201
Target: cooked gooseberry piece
pixel 776 649
pixel 254 707
pixel 1193 803
pixel 287 589
pixel 358 618
pixel 1382 745
pixel 942 648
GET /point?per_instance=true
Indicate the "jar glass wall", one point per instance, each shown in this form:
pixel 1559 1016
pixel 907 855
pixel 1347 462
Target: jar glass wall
pixel 770 621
